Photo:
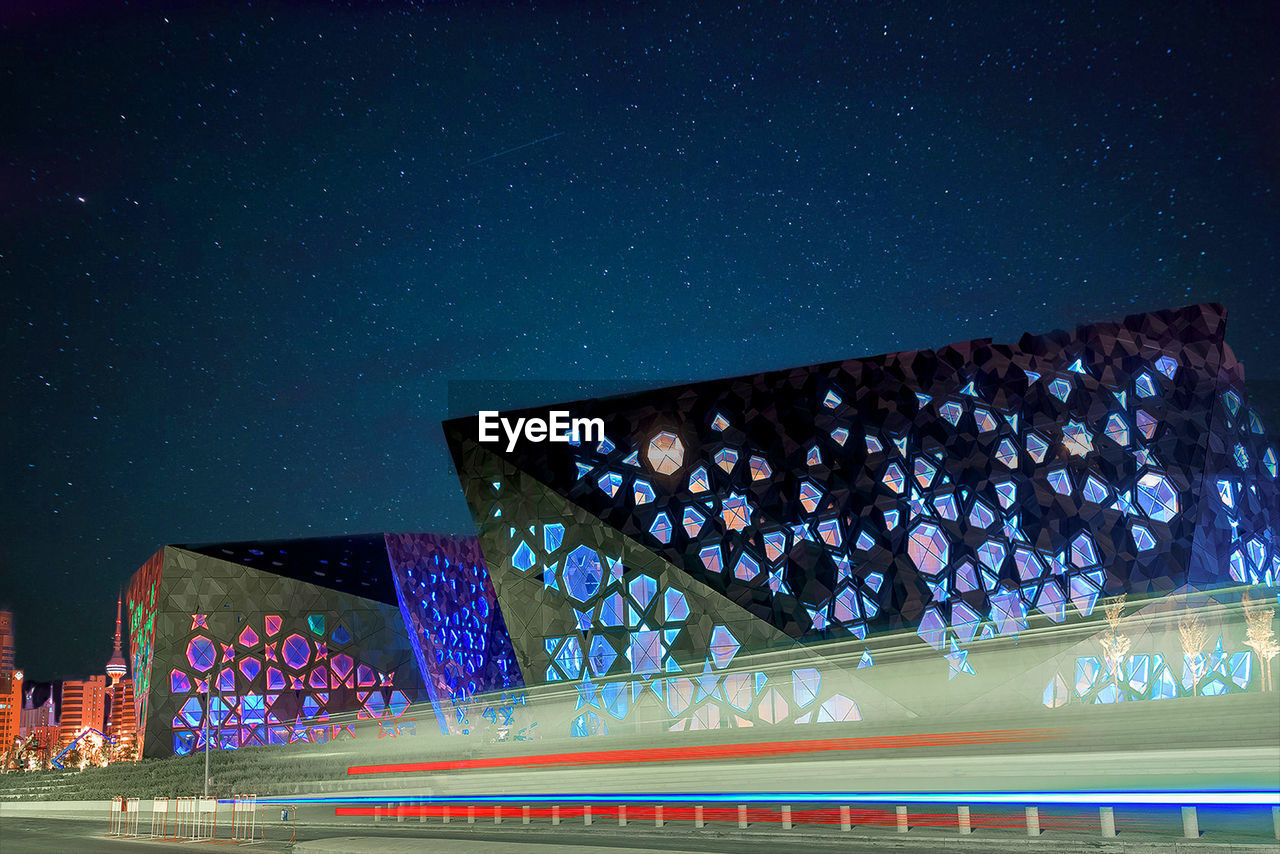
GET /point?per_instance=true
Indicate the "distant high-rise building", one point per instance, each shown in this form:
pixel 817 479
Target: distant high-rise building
pixel 10 707
pixel 32 715
pixel 84 706
pixel 10 684
pixel 6 642
pixel 38 720
pixel 122 719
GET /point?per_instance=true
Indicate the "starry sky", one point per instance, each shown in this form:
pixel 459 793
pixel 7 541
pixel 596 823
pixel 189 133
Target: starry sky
pixel 251 254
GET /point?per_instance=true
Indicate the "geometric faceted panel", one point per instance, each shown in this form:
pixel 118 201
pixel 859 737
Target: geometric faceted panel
pixel 456 627
pixel 955 496
pixel 955 486
pixel 287 633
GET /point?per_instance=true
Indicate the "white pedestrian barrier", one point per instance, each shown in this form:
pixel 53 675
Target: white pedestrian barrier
pixel 115 818
pixel 188 818
pixel 206 818
pixel 131 815
pixel 244 818
pixel 197 819
pixel 159 817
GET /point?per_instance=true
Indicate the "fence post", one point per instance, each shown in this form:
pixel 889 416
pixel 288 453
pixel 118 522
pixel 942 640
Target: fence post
pixel 524 815
pixel 586 816
pixel 698 821
pixel 555 815
pixel 846 821
pixel 400 812
pixel 657 816
pixel 902 819
pixel 1190 823
pixel 622 815
pixel 1033 821
pixel 1275 821
pixel 497 814
pixel 445 814
pixel 471 814
pixel 377 812
pixel 1107 817
pixel 742 815
pixel 962 818
pixel 786 817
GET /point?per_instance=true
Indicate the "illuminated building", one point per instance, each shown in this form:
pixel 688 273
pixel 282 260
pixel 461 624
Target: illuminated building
pixel 6 642
pixel 10 707
pixel 299 640
pixel 10 684
pixel 39 721
pixel 84 706
pixel 35 717
pixel 944 501
pixel 38 726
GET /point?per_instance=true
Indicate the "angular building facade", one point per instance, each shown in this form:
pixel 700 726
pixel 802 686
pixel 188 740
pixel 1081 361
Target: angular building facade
pixel 294 641
pixel 954 498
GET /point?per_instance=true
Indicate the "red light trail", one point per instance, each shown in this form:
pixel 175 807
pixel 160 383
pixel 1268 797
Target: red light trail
pixel 705 753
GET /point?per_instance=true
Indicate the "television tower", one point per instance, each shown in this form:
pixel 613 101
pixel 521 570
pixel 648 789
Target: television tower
pixel 117 667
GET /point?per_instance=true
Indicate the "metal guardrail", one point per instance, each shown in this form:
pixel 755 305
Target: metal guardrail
pixel 780 815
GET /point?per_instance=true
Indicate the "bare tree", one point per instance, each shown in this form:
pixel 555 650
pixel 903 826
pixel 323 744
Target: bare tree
pixel 1115 644
pixel 1260 637
pixel 1195 639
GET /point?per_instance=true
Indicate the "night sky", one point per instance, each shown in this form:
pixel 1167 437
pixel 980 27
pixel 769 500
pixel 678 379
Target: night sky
pixel 245 249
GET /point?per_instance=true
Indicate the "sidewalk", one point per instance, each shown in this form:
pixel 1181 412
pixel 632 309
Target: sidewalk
pixel 379 845
pixel 599 840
